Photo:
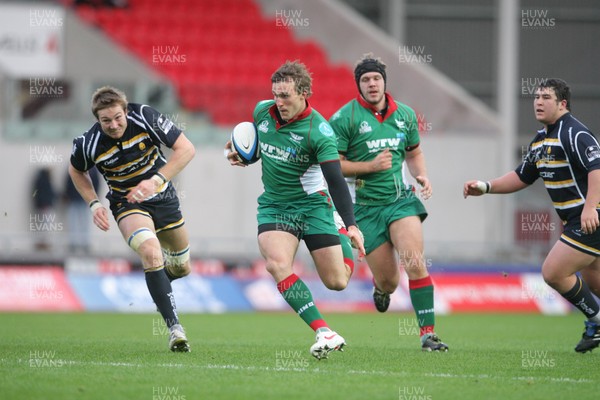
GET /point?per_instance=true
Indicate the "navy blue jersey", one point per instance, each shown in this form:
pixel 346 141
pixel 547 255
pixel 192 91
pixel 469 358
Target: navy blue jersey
pixel 562 157
pixel 134 157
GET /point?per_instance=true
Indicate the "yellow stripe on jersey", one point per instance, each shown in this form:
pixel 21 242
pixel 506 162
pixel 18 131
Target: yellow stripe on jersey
pixel 135 173
pixel 580 245
pixel 119 189
pixel 535 145
pixel 568 204
pixel 551 163
pixel 547 141
pixel 160 189
pixel 559 184
pixel 106 155
pixel 136 139
pixel 125 145
pixel 137 160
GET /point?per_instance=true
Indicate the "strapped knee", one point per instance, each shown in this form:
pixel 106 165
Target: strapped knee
pixel 140 236
pixel 177 262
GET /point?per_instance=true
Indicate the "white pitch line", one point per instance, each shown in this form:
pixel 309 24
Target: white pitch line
pixel 316 370
pixel 518 378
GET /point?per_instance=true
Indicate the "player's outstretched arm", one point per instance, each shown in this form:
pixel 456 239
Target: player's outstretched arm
pixel 507 183
pixel 83 184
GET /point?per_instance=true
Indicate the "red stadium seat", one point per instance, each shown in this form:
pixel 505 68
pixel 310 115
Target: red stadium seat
pixel 217 57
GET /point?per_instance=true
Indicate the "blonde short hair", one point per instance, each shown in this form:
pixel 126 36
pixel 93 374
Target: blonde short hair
pixel 294 71
pixel 106 97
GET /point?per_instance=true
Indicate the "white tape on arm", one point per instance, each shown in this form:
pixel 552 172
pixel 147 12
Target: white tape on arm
pixel 484 187
pixel 158 179
pixel 95 204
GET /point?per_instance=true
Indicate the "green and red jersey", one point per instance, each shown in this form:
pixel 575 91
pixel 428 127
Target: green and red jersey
pixel 291 152
pixel 362 133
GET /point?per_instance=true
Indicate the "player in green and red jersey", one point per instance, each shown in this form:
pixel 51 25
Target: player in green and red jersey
pixel 376 135
pixel 299 154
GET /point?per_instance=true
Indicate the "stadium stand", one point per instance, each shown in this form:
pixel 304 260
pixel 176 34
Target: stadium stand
pixel 218 54
pixel 232 47
pixel 92 57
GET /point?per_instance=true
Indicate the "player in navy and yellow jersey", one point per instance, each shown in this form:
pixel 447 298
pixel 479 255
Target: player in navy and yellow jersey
pixel 125 146
pixel 566 155
pixel 298 155
pixel 376 135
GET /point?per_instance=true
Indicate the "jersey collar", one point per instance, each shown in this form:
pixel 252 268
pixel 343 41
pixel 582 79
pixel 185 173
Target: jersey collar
pixel 392 106
pixel 280 123
pixel 558 121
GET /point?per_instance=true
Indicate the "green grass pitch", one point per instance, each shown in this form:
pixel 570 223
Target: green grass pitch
pixel 265 356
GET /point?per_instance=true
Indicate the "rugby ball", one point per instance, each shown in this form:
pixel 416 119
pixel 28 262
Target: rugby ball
pixel 244 140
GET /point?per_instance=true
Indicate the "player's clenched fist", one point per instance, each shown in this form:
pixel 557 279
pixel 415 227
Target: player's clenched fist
pixel 383 161
pixel 476 188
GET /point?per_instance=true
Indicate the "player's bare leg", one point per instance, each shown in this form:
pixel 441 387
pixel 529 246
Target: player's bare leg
pixel 407 237
pixel 561 264
pixel 384 266
pixel 558 271
pixel 386 274
pixel 329 262
pixel 138 230
pixel 176 252
pixel 279 249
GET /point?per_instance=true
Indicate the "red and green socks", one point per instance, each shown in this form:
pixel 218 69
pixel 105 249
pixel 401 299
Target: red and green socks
pixel 421 296
pixel 346 249
pixel 298 296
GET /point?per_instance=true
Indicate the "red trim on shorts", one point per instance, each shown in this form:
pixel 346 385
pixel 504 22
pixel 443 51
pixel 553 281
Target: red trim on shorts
pixel 287 283
pixel 419 283
pixel 318 323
